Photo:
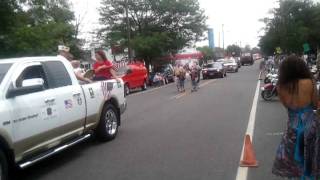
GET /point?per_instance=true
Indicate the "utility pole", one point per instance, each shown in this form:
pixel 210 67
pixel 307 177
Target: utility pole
pixel 223 35
pixel 128 30
pixel 219 40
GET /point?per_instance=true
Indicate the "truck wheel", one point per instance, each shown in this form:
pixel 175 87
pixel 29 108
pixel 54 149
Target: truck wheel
pixel 4 170
pixel 109 123
pixel 144 86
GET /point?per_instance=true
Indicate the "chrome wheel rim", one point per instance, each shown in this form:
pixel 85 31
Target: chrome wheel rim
pixel 127 89
pixel 111 122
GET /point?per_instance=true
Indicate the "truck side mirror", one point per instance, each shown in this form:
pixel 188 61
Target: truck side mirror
pixel 28 86
pixel 33 82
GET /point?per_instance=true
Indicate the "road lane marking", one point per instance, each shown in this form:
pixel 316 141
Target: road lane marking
pixel 178 96
pixel 206 83
pixel 242 172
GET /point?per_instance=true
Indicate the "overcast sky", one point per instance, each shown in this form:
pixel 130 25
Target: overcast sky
pixel 240 18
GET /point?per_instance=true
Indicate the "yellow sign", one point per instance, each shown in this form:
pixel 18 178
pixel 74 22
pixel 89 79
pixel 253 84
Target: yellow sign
pixel 278 50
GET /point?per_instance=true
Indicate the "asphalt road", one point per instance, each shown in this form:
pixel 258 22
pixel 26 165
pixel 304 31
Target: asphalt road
pixel 166 135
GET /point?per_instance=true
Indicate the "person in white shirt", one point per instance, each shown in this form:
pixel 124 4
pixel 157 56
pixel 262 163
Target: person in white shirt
pixel 64 53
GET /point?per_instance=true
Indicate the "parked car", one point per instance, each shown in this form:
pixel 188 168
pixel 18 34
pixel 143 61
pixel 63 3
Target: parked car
pixel 136 76
pixel 44 110
pixel 221 60
pixel 231 65
pixel 238 61
pixel 216 69
pixel 167 72
pixel 247 59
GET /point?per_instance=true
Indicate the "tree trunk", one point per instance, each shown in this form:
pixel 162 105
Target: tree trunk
pixel 147 61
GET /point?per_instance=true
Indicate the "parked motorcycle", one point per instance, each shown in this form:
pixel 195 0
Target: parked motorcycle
pixel 273 74
pixel 268 91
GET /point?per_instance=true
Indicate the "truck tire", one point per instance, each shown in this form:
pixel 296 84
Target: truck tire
pixel 109 123
pixel 4 168
pixel 126 89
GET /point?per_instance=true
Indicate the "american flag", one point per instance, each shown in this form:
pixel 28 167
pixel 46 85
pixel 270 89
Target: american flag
pixel 68 104
pixel 117 65
pixel 106 89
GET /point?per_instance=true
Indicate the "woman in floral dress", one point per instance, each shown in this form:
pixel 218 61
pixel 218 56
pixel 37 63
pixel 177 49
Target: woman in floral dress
pixel 298 153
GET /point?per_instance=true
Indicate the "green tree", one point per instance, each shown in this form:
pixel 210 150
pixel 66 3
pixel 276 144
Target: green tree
pixel 39 27
pixel 255 50
pixel 157 27
pixel 246 49
pixel 208 53
pixel 234 50
pixel 294 23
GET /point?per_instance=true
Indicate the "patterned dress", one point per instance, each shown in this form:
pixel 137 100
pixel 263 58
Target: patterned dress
pixel 298 153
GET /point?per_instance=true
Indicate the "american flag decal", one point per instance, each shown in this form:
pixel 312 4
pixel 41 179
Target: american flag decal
pixel 68 104
pixel 117 65
pixel 106 88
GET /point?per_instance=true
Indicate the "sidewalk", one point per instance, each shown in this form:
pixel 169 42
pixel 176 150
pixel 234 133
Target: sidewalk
pixel 271 119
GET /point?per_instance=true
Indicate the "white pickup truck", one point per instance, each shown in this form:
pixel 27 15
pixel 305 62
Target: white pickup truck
pixel 45 110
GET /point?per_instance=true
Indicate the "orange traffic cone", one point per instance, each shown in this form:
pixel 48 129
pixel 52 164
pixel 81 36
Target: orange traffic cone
pixel 249 157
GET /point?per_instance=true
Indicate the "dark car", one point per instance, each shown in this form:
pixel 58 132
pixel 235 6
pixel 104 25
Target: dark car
pixel 247 59
pixel 216 69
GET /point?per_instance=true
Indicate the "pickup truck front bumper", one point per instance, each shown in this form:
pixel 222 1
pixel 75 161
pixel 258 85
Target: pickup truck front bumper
pixel 123 107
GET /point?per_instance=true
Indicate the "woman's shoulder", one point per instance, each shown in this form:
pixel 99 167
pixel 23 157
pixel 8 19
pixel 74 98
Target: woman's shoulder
pixel 306 82
pixel 306 85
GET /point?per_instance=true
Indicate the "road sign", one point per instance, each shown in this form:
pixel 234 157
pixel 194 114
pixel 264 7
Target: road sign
pixel 306 47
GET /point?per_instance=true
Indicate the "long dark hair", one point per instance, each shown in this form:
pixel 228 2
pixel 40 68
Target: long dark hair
pixel 292 69
pixel 102 55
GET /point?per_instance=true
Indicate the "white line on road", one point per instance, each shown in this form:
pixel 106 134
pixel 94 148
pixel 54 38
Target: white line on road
pixel 243 171
pixel 186 93
pixel 206 83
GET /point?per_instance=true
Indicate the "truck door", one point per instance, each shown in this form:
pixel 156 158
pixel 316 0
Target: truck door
pixel 70 99
pixel 34 114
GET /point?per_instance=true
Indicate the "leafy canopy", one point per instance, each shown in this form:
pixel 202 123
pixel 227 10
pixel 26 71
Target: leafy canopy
pixel 294 23
pixel 35 27
pixel 157 27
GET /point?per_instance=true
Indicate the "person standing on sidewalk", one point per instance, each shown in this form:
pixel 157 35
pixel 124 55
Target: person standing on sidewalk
pixel 182 78
pixel 194 76
pixel 176 76
pixel 262 69
pixel 298 155
pixel 199 74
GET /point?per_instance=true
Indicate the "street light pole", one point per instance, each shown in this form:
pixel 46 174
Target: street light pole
pixel 223 35
pixel 128 30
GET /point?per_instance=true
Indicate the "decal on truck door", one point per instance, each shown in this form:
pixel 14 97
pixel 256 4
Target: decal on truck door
pixel 106 87
pixel 91 93
pixel 68 104
pixel 49 111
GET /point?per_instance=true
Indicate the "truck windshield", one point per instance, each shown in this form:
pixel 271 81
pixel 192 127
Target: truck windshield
pixel 3 70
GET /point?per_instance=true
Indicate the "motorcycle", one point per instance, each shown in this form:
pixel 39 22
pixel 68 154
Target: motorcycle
pixel 268 91
pixel 273 74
